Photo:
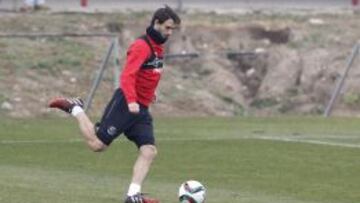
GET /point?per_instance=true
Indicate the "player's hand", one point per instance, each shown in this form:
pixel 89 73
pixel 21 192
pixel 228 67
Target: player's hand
pixel 134 107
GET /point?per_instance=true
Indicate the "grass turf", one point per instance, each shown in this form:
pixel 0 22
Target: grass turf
pixel 242 160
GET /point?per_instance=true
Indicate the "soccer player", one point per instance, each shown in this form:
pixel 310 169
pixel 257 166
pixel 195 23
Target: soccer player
pixel 127 112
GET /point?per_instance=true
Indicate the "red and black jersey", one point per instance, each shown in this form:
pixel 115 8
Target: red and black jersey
pixel 142 71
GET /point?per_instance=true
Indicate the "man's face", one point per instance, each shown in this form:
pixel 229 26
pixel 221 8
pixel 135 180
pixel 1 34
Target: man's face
pixel 166 29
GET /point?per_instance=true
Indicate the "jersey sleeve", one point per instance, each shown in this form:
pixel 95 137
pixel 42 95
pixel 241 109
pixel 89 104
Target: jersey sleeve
pixel 137 54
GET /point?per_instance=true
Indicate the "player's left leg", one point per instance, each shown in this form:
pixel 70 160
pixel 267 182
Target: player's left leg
pixel 147 154
pixel 141 133
pixel 139 198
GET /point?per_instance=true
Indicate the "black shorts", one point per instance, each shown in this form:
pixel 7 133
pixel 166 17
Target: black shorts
pixel 117 120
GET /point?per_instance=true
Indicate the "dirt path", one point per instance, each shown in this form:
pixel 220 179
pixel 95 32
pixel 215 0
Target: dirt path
pixel 113 5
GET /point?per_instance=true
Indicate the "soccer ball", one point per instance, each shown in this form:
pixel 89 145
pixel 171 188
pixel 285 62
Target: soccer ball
pixel 192 191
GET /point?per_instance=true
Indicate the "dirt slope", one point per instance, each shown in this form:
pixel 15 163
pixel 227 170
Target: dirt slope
pixel 253 64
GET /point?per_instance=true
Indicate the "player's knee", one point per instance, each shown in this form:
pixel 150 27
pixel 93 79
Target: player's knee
pixel 148 151
pixel 96 146
pixel 98 149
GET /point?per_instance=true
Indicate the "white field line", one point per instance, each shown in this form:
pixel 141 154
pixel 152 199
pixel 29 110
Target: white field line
pixel 43 141
pixel 273 138
pixel 286 139
pixel 270 138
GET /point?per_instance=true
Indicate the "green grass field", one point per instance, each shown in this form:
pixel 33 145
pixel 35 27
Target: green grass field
pixel 239 160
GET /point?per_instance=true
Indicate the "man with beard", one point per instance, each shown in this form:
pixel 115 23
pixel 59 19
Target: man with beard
pixel 127 112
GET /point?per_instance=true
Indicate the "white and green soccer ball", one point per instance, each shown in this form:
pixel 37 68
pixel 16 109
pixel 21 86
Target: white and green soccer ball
pixel 192 191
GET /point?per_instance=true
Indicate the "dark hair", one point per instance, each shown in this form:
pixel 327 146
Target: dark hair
pixel 163 14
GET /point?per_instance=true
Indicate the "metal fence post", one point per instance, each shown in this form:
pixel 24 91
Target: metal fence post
pixel 98 77
pixel 15 5
pixel 180 6
pixel 116 63
pixel 340 83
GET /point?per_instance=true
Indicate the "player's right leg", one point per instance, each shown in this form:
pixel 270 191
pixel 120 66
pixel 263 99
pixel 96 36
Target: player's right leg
pixel 88 131
pixel 74 106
